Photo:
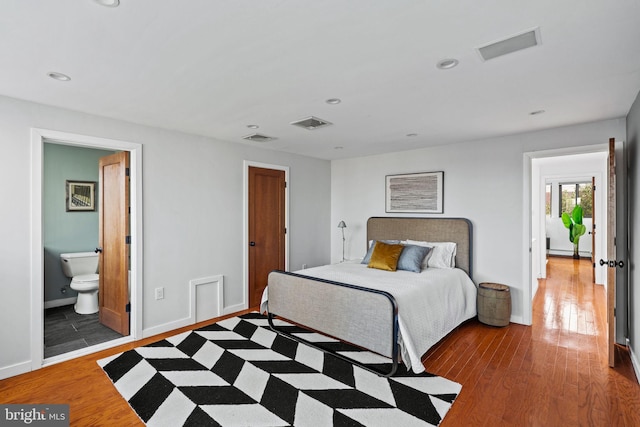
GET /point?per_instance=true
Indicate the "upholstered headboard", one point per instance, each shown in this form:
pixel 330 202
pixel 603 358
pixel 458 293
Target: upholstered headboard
pixel 458 230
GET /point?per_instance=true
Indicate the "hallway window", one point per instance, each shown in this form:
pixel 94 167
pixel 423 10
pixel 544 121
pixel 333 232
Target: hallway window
pixel 576 194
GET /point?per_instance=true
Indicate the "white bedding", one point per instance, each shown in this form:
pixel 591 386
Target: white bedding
pixel 430 304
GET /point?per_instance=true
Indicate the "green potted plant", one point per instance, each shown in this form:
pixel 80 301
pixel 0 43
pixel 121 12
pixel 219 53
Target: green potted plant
pixel 576 228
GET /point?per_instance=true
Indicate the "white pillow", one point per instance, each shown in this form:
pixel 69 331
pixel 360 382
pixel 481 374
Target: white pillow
pixel 443 254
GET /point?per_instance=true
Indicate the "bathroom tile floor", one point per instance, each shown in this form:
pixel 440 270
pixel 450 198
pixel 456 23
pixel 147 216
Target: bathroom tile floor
pixel 65 331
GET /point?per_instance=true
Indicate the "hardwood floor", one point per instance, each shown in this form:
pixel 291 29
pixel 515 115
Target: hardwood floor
pixel 81 383
pixel 554 373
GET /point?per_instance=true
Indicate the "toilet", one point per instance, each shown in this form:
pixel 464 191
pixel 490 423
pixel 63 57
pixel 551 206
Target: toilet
pixel 82 267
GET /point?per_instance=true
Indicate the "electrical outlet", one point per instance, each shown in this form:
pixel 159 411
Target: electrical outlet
pixel 159 293
pixel 304 266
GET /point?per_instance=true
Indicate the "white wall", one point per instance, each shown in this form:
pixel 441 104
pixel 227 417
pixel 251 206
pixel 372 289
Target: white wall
pixel 192 214
pixel 633 162
pixel 483 181
pixel 559 243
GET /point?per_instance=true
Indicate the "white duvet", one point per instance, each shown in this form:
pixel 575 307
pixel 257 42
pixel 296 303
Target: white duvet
pixel 430 304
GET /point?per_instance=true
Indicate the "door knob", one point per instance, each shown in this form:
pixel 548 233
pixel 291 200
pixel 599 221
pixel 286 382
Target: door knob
pixel 98 250
pixel 612 264
pixel 252 243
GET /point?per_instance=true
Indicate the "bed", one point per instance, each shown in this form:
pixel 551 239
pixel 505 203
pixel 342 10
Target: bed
pixel 396 314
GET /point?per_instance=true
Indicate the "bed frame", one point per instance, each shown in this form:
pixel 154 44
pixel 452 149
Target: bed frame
pixel 328 307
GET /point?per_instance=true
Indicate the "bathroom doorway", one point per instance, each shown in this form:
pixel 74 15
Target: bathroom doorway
pixel 59 332
pixel 97 218
pixel 71 226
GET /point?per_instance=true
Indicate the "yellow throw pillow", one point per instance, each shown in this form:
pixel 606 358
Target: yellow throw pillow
pixel 385 256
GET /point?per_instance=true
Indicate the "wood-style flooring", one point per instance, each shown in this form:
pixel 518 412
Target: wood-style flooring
pixel 554 373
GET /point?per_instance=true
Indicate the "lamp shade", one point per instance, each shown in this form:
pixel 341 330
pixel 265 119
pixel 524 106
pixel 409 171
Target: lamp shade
pixel 341 224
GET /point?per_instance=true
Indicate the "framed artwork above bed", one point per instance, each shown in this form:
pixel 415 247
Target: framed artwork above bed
pixel 415 193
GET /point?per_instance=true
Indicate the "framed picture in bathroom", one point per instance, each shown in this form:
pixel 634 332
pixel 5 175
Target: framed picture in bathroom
pixel 81 196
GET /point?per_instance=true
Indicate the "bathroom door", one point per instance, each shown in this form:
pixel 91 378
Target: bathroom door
pixel 114 238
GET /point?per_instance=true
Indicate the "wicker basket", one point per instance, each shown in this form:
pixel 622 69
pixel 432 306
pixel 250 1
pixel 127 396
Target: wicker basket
pixel 494 304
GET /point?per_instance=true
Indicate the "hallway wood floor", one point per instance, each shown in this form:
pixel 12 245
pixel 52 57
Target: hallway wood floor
pixel 553 373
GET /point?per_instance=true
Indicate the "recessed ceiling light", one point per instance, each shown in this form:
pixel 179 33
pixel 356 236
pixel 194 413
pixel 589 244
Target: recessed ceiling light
pixel 253 126
pixel 446 64
pixel 338 148
pixel 108 3
pixel 58 76
pixel 535 113
pixel 333 101
pixel 412 135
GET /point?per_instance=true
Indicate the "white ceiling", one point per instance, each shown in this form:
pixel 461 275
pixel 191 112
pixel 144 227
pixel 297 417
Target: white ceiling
pixel 212 67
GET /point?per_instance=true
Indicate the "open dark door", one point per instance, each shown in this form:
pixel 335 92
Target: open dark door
pixel 593 229
pixel 114 238
pixel 611 251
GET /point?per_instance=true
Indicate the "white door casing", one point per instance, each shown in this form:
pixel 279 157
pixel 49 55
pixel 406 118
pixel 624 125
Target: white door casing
pixel 38 138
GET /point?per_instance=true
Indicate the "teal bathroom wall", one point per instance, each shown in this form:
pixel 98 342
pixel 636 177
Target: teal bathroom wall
pixel 65 231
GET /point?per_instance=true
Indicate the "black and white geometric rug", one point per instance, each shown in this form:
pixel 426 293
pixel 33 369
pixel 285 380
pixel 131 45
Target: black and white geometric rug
pixel 238 372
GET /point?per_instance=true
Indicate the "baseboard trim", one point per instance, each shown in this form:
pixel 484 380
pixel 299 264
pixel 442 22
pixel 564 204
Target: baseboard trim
pixel 634 361
pixel 187 321
pixel 166 327
pixel 233 309
pixel 517 319
pixel 60 302
pixel 13 370
pixel 568 254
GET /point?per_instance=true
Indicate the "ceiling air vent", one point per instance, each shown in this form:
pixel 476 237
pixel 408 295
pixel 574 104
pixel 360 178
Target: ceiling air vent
pixel 311 123
pixel 258 137
pixel 510 45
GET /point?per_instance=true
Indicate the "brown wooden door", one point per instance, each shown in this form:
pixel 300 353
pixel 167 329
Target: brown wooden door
pixel 593 229
pixel 266 228
pixel 113 209
pixel 611 250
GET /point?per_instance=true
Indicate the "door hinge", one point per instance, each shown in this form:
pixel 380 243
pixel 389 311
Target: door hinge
pixel 594 265
pixel 127 240
pixel 285 184
pixel 127 308
pixel 285 230
pixel 127 172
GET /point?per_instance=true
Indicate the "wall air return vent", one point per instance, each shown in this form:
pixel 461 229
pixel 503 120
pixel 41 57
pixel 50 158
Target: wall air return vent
pixel 258 137
pixel 311 123
pixel 510 45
